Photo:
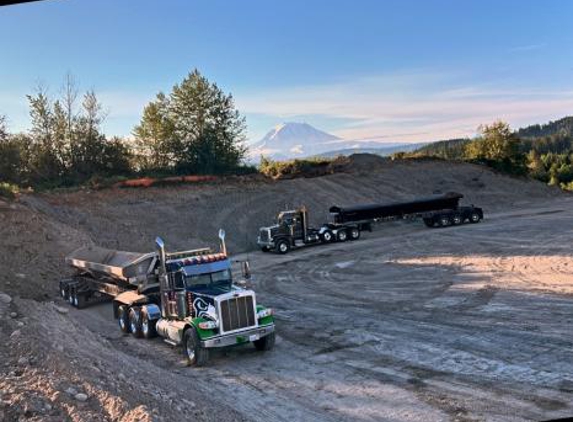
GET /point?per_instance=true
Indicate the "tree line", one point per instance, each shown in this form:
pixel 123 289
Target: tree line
pixel 544 152
pixel 195 129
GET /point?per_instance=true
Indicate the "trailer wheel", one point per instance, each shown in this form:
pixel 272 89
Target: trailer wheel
pixel 195 354
pixel 147 326
pixel 71 292
pixel 283 246
pixel 266 343
pixel 342 236
pixel 134 317
pixel 327 236
pixel 474 217
pixel 445 221
pixel 457 219
pixel 64 289
pixel 123 319
pixel 429 222
pixel 354 233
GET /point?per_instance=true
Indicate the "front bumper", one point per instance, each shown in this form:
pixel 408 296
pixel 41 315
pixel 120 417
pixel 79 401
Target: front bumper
pixel 265 243
pixel 239 337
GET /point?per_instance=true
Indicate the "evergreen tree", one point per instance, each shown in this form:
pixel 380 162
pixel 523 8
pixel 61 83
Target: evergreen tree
pixel 196 129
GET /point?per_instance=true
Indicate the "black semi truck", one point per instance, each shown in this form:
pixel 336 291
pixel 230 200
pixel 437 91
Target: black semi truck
pixel 292 229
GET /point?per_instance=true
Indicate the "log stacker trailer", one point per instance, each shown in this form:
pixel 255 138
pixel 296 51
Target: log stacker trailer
pixel 188 298
pixel 292 229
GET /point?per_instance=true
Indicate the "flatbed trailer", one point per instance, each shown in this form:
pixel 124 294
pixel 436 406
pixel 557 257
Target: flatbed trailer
pixel 292 229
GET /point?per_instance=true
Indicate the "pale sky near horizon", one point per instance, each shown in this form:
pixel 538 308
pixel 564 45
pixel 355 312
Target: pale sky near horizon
pixel 396 71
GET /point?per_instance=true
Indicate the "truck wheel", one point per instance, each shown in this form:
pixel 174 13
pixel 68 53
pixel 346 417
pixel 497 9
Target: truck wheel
pixel 123 318
pixel 474 217
pixel 327 236
pixel 429 222
pixel 147 326
pixel 265 248
pixel 71 291
pixel 342 236
pixel 195 354
pixel 135 322
pixel 354 233
pixel 64 291
pixel 283 247
pixel 457 220
pixel 79 300
pixel 445 221
pixel 266 343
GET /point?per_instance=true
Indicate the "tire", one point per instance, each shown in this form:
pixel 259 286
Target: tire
pixel 134 317
pixel 283 247
pixel 429 222
pixel 342 236
pixel 457 219
pixel 265 248
pixel 266 343
pixel 445 221
pixel 71 291
pixel 64 291
pixel 79 300
pixel 147 326
pixel 195 354
pixel 475 218
pixel 123 318
pixel 354 233
pixel 327 236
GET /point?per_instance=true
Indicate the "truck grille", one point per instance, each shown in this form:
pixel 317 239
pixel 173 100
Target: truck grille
pixel 237 312
pixel 264 235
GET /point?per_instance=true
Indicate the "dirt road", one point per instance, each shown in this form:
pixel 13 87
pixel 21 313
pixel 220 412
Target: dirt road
pixel 407 324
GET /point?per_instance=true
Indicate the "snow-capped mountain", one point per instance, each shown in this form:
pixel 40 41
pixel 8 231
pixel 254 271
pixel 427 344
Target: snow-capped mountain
pixel 297 140
pixel 292 140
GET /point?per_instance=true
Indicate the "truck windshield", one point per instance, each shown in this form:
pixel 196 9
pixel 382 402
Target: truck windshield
pixel 217 279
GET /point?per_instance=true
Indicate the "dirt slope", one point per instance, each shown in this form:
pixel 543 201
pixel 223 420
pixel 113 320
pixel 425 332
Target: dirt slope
pixel 192 215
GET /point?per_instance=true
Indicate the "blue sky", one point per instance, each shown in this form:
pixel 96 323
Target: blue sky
pixel 387 71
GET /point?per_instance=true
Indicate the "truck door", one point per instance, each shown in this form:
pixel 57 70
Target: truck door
pixel 174 296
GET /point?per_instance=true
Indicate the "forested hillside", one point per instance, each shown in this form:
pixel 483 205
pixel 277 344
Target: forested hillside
pixel 544 152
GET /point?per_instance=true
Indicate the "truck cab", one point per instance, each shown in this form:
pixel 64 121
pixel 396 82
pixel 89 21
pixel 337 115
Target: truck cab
pixel 291 230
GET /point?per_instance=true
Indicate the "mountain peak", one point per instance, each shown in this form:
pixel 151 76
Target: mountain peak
pixel 293 139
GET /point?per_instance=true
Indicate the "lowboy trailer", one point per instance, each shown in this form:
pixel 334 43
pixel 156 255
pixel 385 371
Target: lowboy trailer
pixel 188 298
pixel 292 229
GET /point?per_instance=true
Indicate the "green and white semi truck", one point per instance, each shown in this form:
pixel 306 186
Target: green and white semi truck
pixel 188 298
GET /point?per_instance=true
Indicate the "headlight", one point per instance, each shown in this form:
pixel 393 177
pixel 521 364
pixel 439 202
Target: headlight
pixel 208 325
pixel 263 313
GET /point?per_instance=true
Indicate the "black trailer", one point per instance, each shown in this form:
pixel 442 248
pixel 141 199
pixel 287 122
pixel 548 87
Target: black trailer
pixel 292 228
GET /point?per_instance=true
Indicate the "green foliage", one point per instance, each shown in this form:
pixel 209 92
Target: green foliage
pixel 310 167
pixel 8 190
pixel 195 129
pixel 497 147
pixel 452 149
pixel 563 127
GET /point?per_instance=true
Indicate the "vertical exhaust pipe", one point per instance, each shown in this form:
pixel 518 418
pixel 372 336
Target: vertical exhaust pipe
pixel 223 244
pixel 163 280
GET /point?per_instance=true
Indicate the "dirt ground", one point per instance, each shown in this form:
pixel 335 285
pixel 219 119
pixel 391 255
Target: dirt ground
pixel 466 323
